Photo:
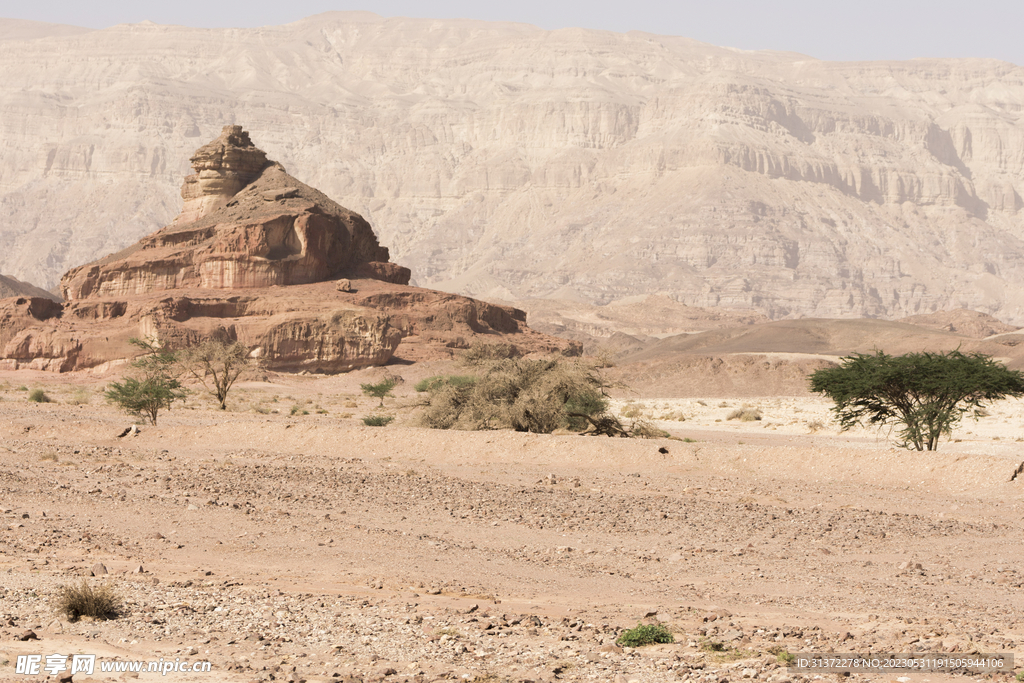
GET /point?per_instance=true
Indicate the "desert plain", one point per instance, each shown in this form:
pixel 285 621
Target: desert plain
pixel 282 539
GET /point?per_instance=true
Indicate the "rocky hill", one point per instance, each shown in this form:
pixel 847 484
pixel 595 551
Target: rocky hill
pixel 504 161
pixel 259 257
pixel 11 287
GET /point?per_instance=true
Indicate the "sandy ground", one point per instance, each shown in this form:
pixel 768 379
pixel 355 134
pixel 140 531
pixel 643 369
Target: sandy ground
pixel 285 540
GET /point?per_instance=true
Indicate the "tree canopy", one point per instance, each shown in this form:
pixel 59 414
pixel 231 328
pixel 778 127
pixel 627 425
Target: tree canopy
pixel 924 395
pixel 153 385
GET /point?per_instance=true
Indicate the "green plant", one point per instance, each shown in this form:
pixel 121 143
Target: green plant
pixel 1020 676
pixel 38 396
pixel 298 410
pixel 380 389
pixel 924 395
pixel 75 602
pixel 378 420
pixel 217 365
pixel 745 413
pixel 786 657
pixel 644 634
pixel 154 386
pixel 22 388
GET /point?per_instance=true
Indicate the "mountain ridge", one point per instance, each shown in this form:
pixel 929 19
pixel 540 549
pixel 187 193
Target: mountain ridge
pixel 504 161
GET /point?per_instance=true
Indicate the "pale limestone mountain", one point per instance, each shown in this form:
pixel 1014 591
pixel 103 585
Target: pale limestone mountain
pixel 503 161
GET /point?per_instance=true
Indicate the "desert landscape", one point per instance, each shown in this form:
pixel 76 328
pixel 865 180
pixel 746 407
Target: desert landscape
pixel 694 230
pixel 299 544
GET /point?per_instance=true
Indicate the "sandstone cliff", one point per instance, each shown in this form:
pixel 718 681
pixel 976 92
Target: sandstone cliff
pixel 505 161
pixel 259 257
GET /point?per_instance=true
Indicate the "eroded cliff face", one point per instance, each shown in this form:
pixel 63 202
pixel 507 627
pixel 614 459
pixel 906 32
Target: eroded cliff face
pixel 246 224
pixel 500 160
pixel 258 257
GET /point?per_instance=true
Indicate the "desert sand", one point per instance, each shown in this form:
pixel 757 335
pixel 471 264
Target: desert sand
pixel 284 540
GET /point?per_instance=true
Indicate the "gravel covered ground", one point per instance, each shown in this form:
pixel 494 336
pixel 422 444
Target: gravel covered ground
pixel 283 546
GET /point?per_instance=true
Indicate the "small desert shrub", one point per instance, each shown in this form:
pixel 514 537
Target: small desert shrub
pixel 645 635
pixel 787 657
pixel 744 414
pixel 75 602
pixel 378 420
pixel 707 645
pixel 642 429
pixel 79 397
pixel 50 455
pixel 298 410
pixel 1019 676
pixel 22 388
pixel 38 396
pixel 437 380
pixel 815 426
pixel 260 408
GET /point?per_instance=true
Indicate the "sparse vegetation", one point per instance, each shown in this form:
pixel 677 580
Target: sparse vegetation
pixel 381 389
pixel 154 386
pixel 745 413
pixel 437 380
pixel 923 395
pixel 217 365
pixel 378 420
pixel 298 410
pixel 815 426
pixel 75 602
pixel 537 396
pixel 645 634
pixel 38 396
pixel 708 645
pixel 79 397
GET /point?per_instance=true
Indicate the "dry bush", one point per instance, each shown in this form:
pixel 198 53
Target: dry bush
pixel 514 393
pixel 482 352
pixel 815 426
pixel 745 413
pixel 75 602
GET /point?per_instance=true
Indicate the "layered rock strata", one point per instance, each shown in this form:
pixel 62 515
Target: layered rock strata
pixel 255 256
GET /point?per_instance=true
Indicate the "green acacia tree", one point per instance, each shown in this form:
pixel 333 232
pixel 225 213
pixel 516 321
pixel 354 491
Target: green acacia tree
pixel 923 395
pixel 152 384
pixel 381 389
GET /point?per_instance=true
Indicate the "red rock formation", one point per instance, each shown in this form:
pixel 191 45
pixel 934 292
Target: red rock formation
pixel 254 256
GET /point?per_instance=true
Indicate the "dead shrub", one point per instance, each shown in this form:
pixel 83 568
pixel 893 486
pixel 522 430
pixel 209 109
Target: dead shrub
pixel 75 602
pixel 745 413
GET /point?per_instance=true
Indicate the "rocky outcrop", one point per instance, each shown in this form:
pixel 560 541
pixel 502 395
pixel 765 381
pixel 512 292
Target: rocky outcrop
pixel 245 224
pixel 258 257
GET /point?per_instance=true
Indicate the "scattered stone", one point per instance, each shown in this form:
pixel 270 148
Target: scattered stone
pixel 98 569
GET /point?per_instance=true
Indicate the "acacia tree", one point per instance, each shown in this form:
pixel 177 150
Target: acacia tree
pixel 152 384
pixel 923 395
pixel 217 366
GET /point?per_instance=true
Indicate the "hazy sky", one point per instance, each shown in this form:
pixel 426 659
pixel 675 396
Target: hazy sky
pixel 827 29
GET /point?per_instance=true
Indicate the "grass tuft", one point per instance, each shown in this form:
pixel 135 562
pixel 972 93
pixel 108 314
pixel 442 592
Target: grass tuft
pixel 38 396
pixel 378 420
pixel 75 602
